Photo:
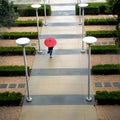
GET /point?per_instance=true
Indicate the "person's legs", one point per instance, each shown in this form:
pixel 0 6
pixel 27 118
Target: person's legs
pixel 50 53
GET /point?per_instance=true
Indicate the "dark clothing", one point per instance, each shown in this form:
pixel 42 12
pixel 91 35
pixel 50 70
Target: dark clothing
pixel 50 51
pixel 50 48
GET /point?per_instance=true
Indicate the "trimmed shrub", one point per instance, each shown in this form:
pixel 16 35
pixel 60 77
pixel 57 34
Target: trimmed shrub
pixel 94 8
pixel 101 21
pixel 10 99
pixel 107 98
pixel 15 35
pixel 102 9
pixel 16 51
pixel 48 10
pixel 104 49
pixel 102 33
pixel 91 10
pixel 88 10
pixel 106 69
pixel 26 23
pixel 27 10
pixel 13 70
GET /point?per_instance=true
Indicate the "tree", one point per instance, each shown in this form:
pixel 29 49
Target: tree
pixel 118 35
pixel 7 13
pixel 114 7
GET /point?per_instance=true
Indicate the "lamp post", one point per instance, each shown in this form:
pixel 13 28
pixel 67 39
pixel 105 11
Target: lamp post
pixel 36 7
pixel 23 42
pixel 83 5
pixel 49 2
pixel 79 13
pixel 77 1
pixel 89 40
pixel 45 13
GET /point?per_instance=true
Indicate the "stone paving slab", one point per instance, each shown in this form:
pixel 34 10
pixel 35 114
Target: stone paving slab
pixel 21 85
pixel 105 43
pixel 61 30
pixel 107 84
pixel 3 85
pixel 59 72
pixel 59 100
pixel 65 13
pixel 63 51
pixel 64 7
pixel 67 51
pixel 60 61
pixel 62 4
pixel 59 112
pixel 63 19
pixel 58 85
pixel 64 45
pixel 58 36
pixel 116 84
pixel 12 85
pixel 63 24
pixel 98 84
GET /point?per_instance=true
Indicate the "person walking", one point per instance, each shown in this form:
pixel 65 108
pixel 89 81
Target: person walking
pixel 50 43
pixel 50 51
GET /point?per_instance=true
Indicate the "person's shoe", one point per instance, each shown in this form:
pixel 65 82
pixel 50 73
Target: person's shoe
pixel 51 56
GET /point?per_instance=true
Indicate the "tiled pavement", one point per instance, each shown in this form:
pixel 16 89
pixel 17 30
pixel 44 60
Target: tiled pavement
pixel 96 84
pixel 20 85
pixel 58 86
pixel 107 84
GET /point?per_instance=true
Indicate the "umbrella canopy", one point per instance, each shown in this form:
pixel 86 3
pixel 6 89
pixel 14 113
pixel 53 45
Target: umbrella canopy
pixel 50 42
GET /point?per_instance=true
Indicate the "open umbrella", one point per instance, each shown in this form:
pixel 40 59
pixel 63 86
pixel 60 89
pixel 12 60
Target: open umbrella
pixel 50 42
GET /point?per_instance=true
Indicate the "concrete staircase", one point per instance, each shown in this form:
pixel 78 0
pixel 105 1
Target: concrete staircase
pixel 59 85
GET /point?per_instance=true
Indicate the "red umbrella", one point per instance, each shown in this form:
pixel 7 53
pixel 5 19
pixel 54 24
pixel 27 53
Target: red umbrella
pixel 50 42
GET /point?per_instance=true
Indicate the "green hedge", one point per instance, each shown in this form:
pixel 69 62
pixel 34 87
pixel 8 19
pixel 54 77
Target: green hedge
pixel 15 35
pixel 16 51
pixel 106 69
pixel 94 8
pixel 102 6
pixel 107 98
pixel 102 33
pixel 13 70
pixel 88 10
pixel 11 99
pixel 101 21
pixel 91 11
pixel 104 49
pixel 27 10
pixel 34 35
pixel 26 23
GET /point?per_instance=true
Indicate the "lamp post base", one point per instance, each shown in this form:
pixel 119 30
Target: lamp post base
pixel 45 24
pixel 39 51
pixel 28 99
pixel 82 51
pixel 88 99
pixel 79 23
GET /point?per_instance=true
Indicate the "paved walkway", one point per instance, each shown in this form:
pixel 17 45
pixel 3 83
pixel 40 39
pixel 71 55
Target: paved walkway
pixel 58 85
